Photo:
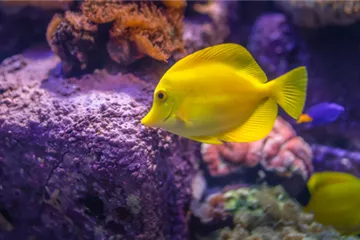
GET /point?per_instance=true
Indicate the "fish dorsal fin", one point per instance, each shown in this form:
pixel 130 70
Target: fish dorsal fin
pixel 231 54
pixel 257 126
pixel 322 179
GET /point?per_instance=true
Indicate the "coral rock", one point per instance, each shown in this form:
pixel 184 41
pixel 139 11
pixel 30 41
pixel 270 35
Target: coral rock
pixel 281 151
pixel 273 44
pixel 335 159
pixel 319 13
pixel 75 162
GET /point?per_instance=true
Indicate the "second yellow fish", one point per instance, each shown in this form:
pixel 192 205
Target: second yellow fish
pixel 334 201
pixel 220 94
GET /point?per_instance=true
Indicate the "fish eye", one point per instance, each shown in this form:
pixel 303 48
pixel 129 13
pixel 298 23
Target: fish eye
pixel 161 95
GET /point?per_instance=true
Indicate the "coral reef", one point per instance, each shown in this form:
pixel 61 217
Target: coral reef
pixel 281 151
pixel 330 55
pixel 256 213
pixel 334 159
pixel 127 31
pixel 75 162
pixel 320 13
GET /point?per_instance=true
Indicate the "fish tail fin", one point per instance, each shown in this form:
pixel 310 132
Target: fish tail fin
pixel 304 118
pixel 289 91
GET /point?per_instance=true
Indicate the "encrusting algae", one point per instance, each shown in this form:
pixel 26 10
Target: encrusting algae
pixel 126 31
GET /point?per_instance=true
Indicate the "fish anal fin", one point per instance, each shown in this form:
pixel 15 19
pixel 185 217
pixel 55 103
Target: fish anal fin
pixel 205 139
pixel 231 54
pixel 257 127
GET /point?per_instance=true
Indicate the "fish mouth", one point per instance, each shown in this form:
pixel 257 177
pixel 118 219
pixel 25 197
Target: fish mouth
pixel 150 121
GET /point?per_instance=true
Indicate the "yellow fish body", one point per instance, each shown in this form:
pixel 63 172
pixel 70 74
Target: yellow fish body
pixel 335 201
pixel 220 94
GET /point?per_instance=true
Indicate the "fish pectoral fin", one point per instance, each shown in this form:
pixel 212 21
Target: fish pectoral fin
pixel 183 121
pixel 208 140
pixel 231 54
pixel 182 116
pixel 257 127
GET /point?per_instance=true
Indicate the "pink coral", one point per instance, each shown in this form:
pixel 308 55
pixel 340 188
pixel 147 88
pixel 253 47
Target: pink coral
pixel 281 151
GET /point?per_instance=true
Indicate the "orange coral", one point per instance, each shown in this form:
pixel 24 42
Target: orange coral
pixel 135 28
pixel 156 32
pixel 281 151
pixel 174 3
pixel 74 39
pixel 57 4
pixel 51 30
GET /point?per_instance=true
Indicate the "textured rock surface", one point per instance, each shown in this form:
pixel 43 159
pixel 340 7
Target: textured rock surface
pixel 320 13
pixel 272 42
pixel 335 159
pixel 75 163
pixel 331 56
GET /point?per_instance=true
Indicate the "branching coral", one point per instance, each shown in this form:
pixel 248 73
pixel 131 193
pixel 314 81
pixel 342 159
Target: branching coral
pixel 318 13
pixel 281 151
pixel 259 213
pixel 135 29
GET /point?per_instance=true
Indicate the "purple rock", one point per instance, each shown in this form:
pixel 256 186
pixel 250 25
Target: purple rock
pixel 332 57
pixel 336 159
pixel 75 162
pixel 20 27
pixel 273 44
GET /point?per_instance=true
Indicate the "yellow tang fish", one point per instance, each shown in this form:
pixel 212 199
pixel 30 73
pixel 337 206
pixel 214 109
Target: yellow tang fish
pixel 335 201
pixel 220 94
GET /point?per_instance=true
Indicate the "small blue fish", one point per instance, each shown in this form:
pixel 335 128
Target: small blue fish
pixel 321 114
